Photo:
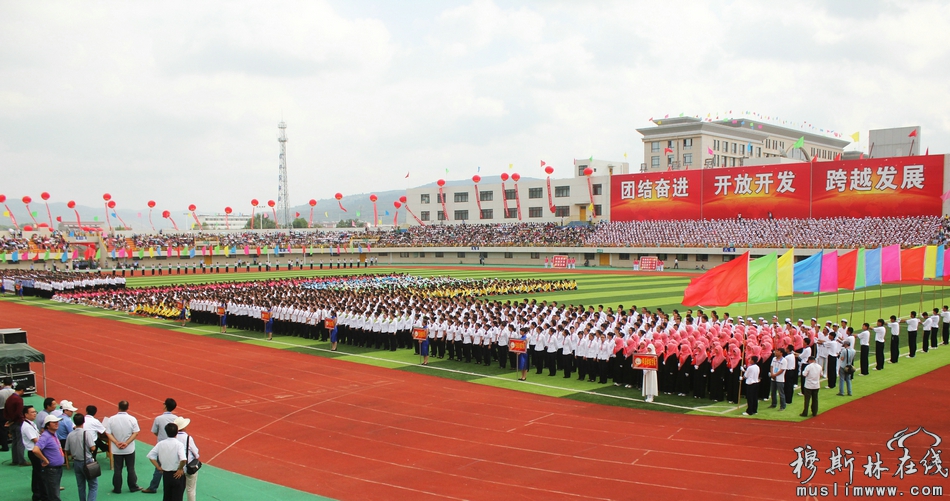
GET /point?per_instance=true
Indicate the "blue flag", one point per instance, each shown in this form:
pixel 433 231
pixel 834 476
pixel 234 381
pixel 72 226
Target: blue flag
pixel 191 252
pixel 872 267
pixel 63 257
pixel 277 250
pixel 16 256
pixel 807 277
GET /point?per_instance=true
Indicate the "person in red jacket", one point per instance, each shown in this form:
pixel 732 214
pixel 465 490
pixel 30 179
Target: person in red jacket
pixel 13 415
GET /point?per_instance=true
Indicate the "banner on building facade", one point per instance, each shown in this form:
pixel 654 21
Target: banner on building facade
pixel 901 186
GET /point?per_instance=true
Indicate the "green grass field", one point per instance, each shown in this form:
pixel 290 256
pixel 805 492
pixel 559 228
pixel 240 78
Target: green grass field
pixel 651 291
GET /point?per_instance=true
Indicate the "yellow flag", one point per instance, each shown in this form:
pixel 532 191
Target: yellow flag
pixel 786 273
pixel 930 262
pixel 151 252
pixel 856 136
pixel 625 155
pixel 511 166
pixel 6 213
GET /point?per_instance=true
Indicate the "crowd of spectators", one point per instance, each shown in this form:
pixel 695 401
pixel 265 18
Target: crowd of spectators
pixel 841 233
pixel 838 233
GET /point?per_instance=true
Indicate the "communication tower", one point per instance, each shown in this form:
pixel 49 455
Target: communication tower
pixel 283 194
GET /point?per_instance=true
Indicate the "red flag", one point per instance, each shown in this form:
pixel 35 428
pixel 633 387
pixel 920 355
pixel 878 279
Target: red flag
pixel 667 150
pixel 913 133
pixel 838 157
pixel 407 175
pixel 861 156
pixel 723 285
pixel 814 158
pixel 847 270
pixel 912 263
pixel 928 151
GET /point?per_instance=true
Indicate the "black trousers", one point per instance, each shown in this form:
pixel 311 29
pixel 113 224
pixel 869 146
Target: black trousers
pixel 832 371
pixel 811 395
pixel 865 359
pixel 753 396
pixel 566 364
pixel 895 348
pixel 127 460
pixel 503 356
pixel 552 362
pixel 933 337
pixel 912 343
pixel 36 481
pixel 946 333
pixel 173 489
pixel 879 354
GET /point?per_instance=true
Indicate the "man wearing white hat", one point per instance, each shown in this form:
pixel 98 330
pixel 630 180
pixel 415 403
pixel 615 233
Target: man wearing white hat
pixel 66 410
pixel 191 453
pixel 50 454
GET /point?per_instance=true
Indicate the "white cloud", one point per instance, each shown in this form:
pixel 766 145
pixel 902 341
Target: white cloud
pixel 179 102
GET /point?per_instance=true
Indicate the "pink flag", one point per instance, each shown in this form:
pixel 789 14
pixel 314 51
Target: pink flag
pixel 710 150
pixel 945 196
pixel 891 263
pixel 247 250
pixel 75 254
pixel 368 248
pixel 169 251
pixel 946 264
pixel 829 272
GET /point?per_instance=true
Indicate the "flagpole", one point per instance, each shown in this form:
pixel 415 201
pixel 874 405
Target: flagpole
pixel 818 304
pixel 921 307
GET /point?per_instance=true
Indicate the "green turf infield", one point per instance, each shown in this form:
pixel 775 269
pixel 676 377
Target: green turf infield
pixel 650 290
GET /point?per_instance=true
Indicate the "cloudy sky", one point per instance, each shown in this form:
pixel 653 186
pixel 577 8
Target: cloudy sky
pixel 179 101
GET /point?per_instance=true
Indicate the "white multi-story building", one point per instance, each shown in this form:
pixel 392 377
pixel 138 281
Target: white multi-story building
pixel 578 198
pixel 218 221
pixel 692 143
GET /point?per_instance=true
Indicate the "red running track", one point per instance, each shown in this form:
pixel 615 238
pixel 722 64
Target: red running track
pixel 351 431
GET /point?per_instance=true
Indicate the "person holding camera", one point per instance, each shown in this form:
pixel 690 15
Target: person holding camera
pixel 845 367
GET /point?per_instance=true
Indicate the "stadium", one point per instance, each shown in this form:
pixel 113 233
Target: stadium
pixel 470 267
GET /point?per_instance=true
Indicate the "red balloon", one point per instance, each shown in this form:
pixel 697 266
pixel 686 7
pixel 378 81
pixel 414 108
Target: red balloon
pixel 476 178
pixel 192 207
pixel 373 198
pixel 71 204
pixel 111 204
pixel 107 197
pixel 227 210
pixel 313 203
pixel 28 228
pixel 504 176
pixel 59 219
pixel 397 204
pixel 516 177
pixel 3 198
pixel 549 170
pixel 440 182
pixel 588 171
pixel 44 195
pixel 27 200
pixel 42 225
pixel 166 214
pixel 254 202
pixel 403 199
pixel 338 196
pixel 270 203
pixel 151 204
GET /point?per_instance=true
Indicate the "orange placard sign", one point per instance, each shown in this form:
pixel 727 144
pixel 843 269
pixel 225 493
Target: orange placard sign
pixel 220 310
pixel 265 315
pixel 518 345
pixel 645 362
pixel 420 333
pixel 329 323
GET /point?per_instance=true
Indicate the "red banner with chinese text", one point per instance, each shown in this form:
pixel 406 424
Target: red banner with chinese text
pixel 754 192
pixel 671 195
pixel 645 362
pixel 878 187
pixel 518 345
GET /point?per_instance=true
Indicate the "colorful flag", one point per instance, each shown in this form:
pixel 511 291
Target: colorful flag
pixel 912 263
pixel 847 268
pixel 930 262
pixel 829 272
pixel 856 136
pixel 16 256
pixel 860 273
pixel 891 264
pixel 141 254
pixel 191 252
pixel 763 279
pixel 940 263
pixel 786 273
pixel 808 274
pixel 46 256
pixel 799 143
pixel 723 285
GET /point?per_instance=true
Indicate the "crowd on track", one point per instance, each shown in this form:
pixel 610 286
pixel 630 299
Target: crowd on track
pixel 700 354
pixel 841 233
pixel 60 437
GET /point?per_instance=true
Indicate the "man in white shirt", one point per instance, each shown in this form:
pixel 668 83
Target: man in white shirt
pixel 777 374
pixel 169 456
pixel 879 332
pixel 122 430
pixel 945 317
pixel 895 327
pixel 752 384
pixel 812 374
pixel 158 428
pixel 913 323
